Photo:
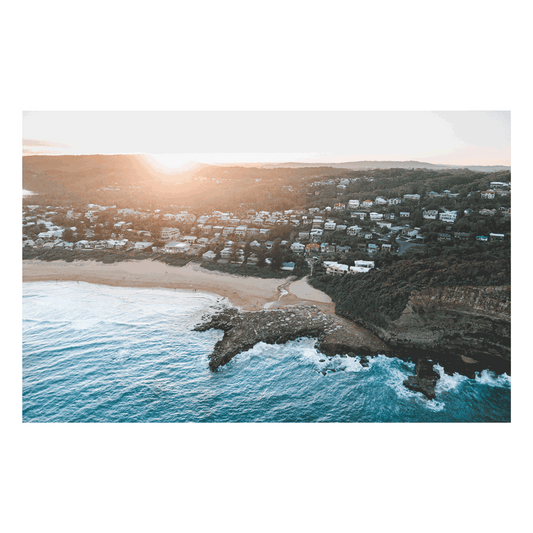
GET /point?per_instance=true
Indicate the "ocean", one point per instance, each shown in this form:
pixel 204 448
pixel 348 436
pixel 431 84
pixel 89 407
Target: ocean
pixel 96 353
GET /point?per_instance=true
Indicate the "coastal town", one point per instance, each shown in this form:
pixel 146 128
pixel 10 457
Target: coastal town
pixel 346 236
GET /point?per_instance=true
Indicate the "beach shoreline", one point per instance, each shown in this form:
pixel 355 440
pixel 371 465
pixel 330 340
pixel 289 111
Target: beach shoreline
pixel 245 292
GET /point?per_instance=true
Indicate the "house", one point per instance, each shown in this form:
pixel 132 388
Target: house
pixel 334 268
pixel 209 255
pixel 461 235
pixel 443 237
pixel 412 197
pixel 394 201
pixel 176 247
pixel 376 216
pixel 380 201
pixel 353 230
pixel 167 234
pixel 353 204
pixel 487 212
pixel 362 266
pixel 430 214
pixel 386 247
pixel 372 248
pixel 387 225
pixel 389 216
pixel 343 249
pixel 297 247
pixel 312 248
pixel 190 239
pixel 287 266
pixel 228 230
pixel 330 225
pixel 482 238
pixel 496 236
pixel 489 194
pixel 499 184
pixel 241 230
pixel 357 214
pixel 368 203
pixel 448 216
pixel 339 207
pixel 226 253
pixel 405 214
pixel 316 232
pixel 142 245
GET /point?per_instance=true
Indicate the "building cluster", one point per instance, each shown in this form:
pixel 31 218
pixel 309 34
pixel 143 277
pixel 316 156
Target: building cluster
pixel 313 231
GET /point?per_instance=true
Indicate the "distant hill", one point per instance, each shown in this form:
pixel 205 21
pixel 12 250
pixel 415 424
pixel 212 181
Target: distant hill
pixel 367 165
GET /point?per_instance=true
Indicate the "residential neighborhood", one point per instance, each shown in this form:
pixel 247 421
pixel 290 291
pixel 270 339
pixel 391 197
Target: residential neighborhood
pixel 354 226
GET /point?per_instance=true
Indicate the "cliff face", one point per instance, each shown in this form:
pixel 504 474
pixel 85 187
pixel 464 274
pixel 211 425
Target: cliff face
pixel 464 328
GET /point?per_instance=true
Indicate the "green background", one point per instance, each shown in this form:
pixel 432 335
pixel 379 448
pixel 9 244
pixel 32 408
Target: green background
pixel 410 43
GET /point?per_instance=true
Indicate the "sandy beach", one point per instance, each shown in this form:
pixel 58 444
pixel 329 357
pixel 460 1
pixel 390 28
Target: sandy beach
pixel 247 293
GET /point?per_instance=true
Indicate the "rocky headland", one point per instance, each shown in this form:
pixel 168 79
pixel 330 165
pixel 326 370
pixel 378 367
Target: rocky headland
pixel 242 331
pixel 464 329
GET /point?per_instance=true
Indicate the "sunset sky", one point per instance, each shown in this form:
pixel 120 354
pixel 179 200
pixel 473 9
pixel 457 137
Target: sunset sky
pixel 177 137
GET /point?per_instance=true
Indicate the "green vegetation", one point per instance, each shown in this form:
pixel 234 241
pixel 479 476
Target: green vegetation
pixel 102 256
pixel 250 270
pixel 381 295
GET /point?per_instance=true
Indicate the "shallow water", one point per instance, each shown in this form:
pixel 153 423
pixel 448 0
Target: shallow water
pixel 94 353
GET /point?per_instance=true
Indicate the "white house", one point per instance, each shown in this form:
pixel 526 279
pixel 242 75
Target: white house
pixel 394 201
pixel 209 255
pixel 329 225
pixel 448 216
pixel 353 204
pixel 430 214
pixel 414 197
pixel 353 230
pixel 376 216
pixel 143 245
pixel 168 234
pixel 297 247
pixel 176 247
pixel 489 194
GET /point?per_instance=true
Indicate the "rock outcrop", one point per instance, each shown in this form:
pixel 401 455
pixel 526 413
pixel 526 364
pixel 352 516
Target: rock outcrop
pixel 424 380
pixel 243 331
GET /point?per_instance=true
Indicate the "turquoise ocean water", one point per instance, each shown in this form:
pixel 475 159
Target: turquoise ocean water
pixel 95 353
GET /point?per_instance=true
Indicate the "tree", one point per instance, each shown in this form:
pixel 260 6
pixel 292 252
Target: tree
pixel 261 257
pixel 276 257
pixel 68 235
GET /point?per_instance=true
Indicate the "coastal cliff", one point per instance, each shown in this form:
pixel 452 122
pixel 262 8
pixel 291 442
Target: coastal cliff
pixel 466 329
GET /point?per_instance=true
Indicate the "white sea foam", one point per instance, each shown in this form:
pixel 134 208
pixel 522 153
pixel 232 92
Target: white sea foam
pixel 492 380
pixel 446 382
